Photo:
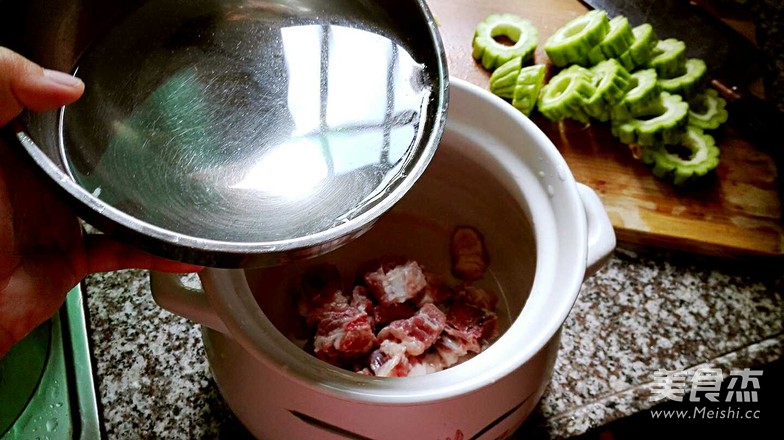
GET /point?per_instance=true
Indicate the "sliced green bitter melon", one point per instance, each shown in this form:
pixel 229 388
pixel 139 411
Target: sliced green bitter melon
pixel 563 97
pixel 703 157
pixel 662 122
pixel 669 58
pixel 520 84
pixel 595 56
pixel 529 83
pixel 492 53
pixel 504 79
pixel 571 43
pixel 619 39
pixel 691 83
pixel 639 53
pixel 610 81
pixel 707 110
pixel 644 43
pixel 643 90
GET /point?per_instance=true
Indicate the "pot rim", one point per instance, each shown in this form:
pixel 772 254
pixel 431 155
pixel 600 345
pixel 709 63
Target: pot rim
pixel 560 268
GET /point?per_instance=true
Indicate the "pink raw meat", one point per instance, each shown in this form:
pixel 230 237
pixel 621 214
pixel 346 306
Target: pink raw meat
pixel 396 285
pixel 471 325
pixel 343 332
pixel 360 300
pixel 424 325
pixel 383 315
pixel 468 330
pixel 418 332
pixel 389 360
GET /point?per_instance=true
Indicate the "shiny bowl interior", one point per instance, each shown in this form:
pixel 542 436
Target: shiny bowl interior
pixel 235 133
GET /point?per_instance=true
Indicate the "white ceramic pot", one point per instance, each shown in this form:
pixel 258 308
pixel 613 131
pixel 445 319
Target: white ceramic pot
pixel 494 170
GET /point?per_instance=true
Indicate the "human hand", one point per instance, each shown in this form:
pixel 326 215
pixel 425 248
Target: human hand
pixel 43 252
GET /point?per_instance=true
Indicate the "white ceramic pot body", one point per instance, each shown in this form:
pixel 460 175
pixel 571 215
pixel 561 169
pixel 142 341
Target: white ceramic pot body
pixel 494 170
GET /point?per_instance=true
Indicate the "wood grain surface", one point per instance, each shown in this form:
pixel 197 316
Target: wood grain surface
pixel 735 213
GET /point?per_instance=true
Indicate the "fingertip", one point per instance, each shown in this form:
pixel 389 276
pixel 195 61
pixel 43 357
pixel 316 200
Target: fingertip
pixel 25 84
pixel 65 88
pixel 70 82
pixel 49 90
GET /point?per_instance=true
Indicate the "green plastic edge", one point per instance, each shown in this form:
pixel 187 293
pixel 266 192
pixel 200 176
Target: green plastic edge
pixel 83 367
pixel 50 413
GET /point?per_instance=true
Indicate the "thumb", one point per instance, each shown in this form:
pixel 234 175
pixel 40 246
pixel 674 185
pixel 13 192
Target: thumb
pixel 24 84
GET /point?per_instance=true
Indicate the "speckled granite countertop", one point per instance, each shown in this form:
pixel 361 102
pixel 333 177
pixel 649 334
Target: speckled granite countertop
pixel 642 312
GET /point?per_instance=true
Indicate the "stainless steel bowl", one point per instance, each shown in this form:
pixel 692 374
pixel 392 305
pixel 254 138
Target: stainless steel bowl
pixel 235 133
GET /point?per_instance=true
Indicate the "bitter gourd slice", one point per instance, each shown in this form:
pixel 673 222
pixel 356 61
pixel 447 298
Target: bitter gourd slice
pixel 707 110
pixel 572 42
pixel 504 79
pixel 619 39
pixel 645 41
pixel 611 81
pixel 564 96
pixel 703 158
pixel 595 56
pixel 639 52
pixel 643 90
pixel 529 83
pixel 627 62
pixel 662 122
pixel 493 54
pixel 691 83
pixel 669 58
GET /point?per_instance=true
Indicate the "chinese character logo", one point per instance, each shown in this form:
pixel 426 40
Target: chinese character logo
pixel 707 380
pixel 749 384
pixel 705 385
pixel 668 385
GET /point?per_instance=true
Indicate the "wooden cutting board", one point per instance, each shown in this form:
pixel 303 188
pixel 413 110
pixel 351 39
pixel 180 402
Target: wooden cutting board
pixel 735 214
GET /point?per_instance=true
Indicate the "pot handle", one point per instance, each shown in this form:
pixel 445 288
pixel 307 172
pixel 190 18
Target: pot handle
pixel 172 295
pixel 601 236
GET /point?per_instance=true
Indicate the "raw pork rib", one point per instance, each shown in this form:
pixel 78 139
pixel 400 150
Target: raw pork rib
pixel 418 332
pixel 406 338
pixel 396 285
pixel 383 315
pixel 467 330
pixel 399 321
pixel 344 326
pixel 343 331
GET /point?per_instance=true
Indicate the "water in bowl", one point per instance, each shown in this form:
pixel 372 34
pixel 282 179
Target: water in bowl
pixel 245 121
